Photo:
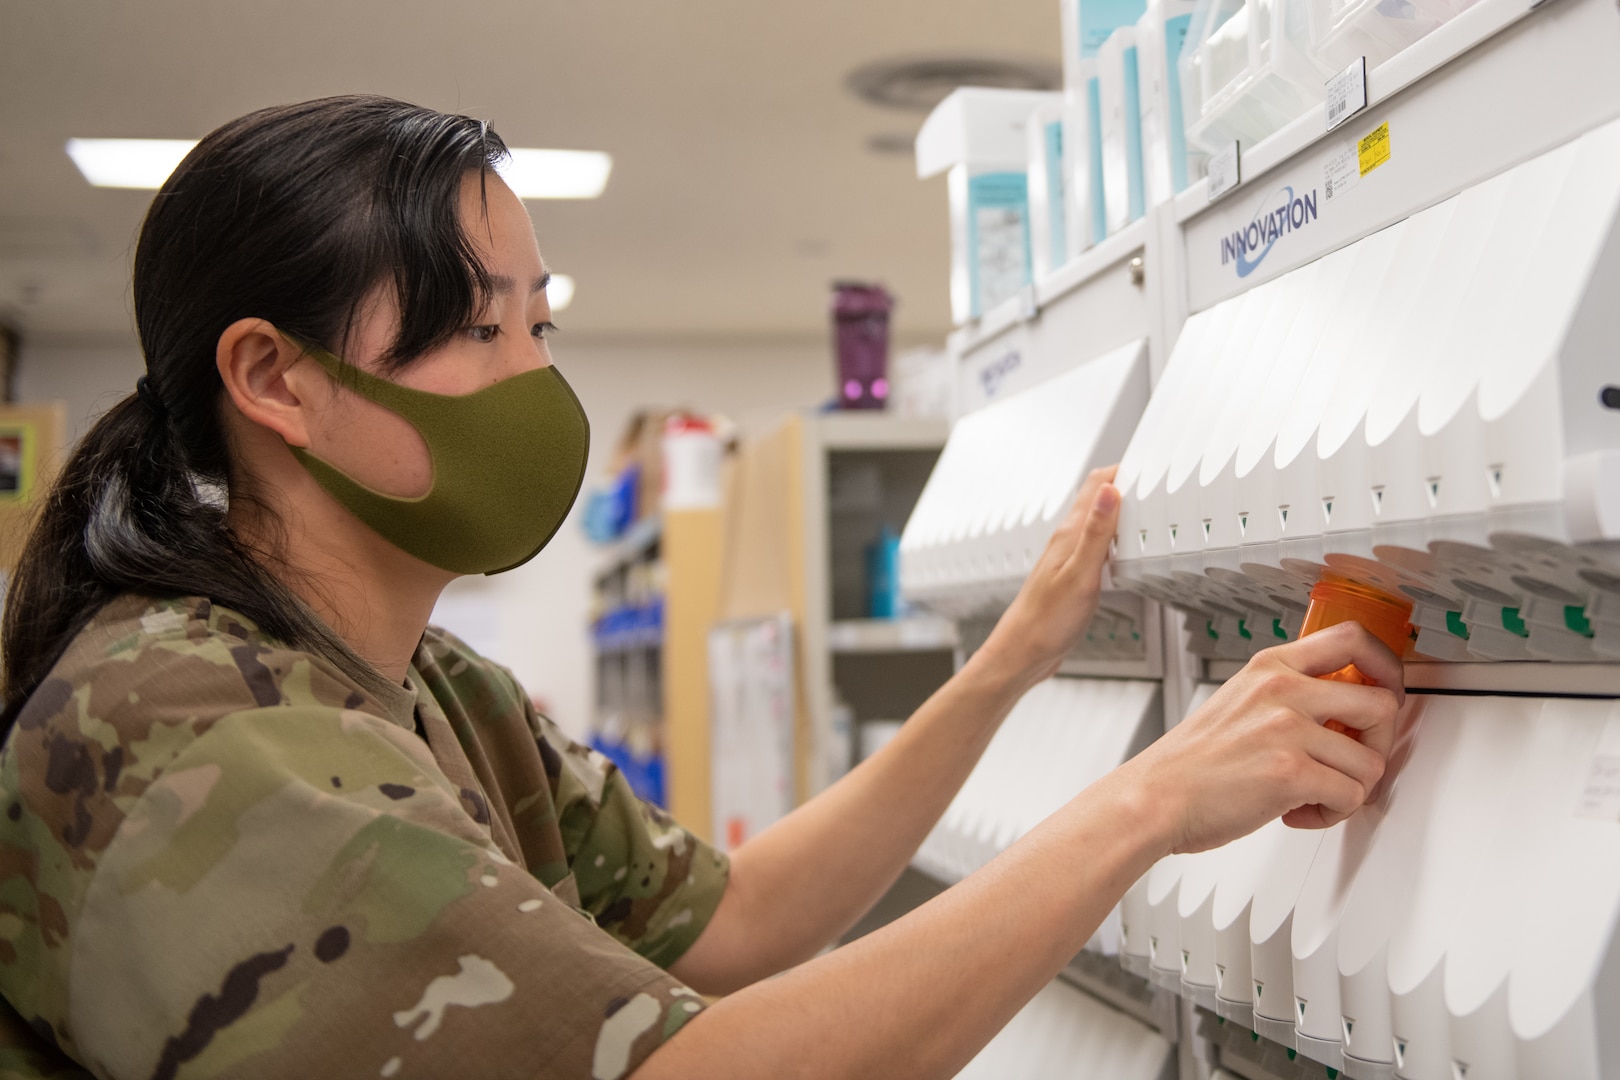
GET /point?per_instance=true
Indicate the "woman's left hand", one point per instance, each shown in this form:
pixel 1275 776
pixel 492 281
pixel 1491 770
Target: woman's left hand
pixel 1059 597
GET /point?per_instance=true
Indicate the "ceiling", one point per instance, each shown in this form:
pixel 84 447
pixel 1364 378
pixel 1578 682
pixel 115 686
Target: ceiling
pixel 742 180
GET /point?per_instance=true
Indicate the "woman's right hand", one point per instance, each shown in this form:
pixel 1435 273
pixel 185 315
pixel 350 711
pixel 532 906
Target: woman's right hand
pixel 1257 749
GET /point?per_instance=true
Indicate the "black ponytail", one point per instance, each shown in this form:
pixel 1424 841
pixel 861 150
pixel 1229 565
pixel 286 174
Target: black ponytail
pixel 294 215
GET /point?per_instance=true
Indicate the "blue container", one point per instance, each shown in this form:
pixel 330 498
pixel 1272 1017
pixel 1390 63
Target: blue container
pixel 883 576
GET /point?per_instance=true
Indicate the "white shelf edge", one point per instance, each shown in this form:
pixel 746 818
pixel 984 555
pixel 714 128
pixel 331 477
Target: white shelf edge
pixel 1111 669
pixel 1091 263
pixel 879 431
pixel 1543 678
pixel 922 633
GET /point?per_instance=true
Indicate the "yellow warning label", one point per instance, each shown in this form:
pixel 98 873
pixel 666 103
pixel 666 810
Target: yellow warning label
pixel 1373 150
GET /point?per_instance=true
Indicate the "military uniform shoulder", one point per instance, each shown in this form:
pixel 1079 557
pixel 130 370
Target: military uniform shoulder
pixel 446 656
pixel 488 691
pixel 183 659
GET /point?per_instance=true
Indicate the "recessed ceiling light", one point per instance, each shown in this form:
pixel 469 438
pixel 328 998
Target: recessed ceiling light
pixel 560 292
pixel 128 163
pixel 556 174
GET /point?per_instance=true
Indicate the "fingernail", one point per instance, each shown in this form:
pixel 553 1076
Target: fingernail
pixel 1107 499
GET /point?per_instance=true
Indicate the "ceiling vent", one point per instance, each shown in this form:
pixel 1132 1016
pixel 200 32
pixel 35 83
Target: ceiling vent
pixel 917 84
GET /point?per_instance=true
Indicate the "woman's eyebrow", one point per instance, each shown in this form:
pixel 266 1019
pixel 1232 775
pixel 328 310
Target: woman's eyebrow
pixel 501 283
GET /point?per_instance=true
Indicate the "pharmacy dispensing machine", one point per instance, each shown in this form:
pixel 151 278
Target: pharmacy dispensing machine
pixel 1430 411
pixel 1378 346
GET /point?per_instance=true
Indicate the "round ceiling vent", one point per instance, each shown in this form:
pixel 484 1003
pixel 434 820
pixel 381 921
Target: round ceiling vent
pixel 897 143
pixel 919 83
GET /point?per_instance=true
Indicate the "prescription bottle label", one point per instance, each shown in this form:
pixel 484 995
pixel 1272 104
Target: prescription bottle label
pixel 1373 149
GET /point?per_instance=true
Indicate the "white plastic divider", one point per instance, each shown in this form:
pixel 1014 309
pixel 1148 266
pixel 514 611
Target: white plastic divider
pixel 1421 411
pixel 1008 474
pixel 1150 922
pixel 1066 1032
pixel 1564 979
pixel 1460 924
pixel 1064 734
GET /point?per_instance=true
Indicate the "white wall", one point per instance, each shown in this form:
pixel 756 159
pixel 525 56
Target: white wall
pixel 532 619
pixel 90 377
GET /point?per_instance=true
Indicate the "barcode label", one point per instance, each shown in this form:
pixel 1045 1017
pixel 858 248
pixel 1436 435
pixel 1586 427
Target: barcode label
pixel 1341 172
pixel 1225 172
pixel 1347 93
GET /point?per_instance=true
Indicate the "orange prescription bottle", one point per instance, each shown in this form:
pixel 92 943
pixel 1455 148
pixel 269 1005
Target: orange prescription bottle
pixel 1386 617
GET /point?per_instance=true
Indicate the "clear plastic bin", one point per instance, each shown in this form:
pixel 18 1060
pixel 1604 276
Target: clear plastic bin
pixel 1342 30
pixel 1251 71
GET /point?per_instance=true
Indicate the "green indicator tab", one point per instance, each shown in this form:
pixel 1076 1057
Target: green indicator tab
pixel 1512 623
pixel 1243 630
pixel 1209 628
pixel 1575 618
pixel 1454 623
pixel 1277 630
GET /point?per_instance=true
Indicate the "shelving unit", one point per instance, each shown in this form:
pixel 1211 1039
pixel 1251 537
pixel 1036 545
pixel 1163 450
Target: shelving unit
pixel 627 636
pixel 656 590
pixel 1487 965
pixel 860 474
pixel 910 633
pixel 806 502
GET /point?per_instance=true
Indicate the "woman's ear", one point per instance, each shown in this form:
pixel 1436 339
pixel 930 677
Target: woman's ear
pixel 268 386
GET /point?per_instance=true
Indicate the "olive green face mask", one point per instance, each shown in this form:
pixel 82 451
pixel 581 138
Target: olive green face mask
pixel 508 462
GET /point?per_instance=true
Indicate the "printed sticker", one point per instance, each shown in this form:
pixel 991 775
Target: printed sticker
pixel 1341 173
pixel 1373 150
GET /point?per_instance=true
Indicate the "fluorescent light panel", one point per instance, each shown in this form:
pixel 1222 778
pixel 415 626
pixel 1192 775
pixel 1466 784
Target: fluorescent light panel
pixel 128 163
pixel 556 174
pixel 560 292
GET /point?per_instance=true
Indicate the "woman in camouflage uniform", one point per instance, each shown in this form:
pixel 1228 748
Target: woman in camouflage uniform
pixel 261 820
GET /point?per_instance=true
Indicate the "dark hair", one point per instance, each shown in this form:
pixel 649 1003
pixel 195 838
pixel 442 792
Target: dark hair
pixel 292 214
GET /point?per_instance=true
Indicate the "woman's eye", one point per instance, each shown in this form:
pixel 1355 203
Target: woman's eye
pixel 484 334
pixel 543 329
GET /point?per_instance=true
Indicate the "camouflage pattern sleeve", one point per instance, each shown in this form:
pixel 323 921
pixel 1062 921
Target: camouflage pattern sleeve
pixel 24 1055
pixel 300 893
pixel 219 857
pixel 648 881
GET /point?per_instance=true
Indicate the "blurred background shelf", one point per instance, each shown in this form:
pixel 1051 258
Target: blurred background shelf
pixel 914 633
